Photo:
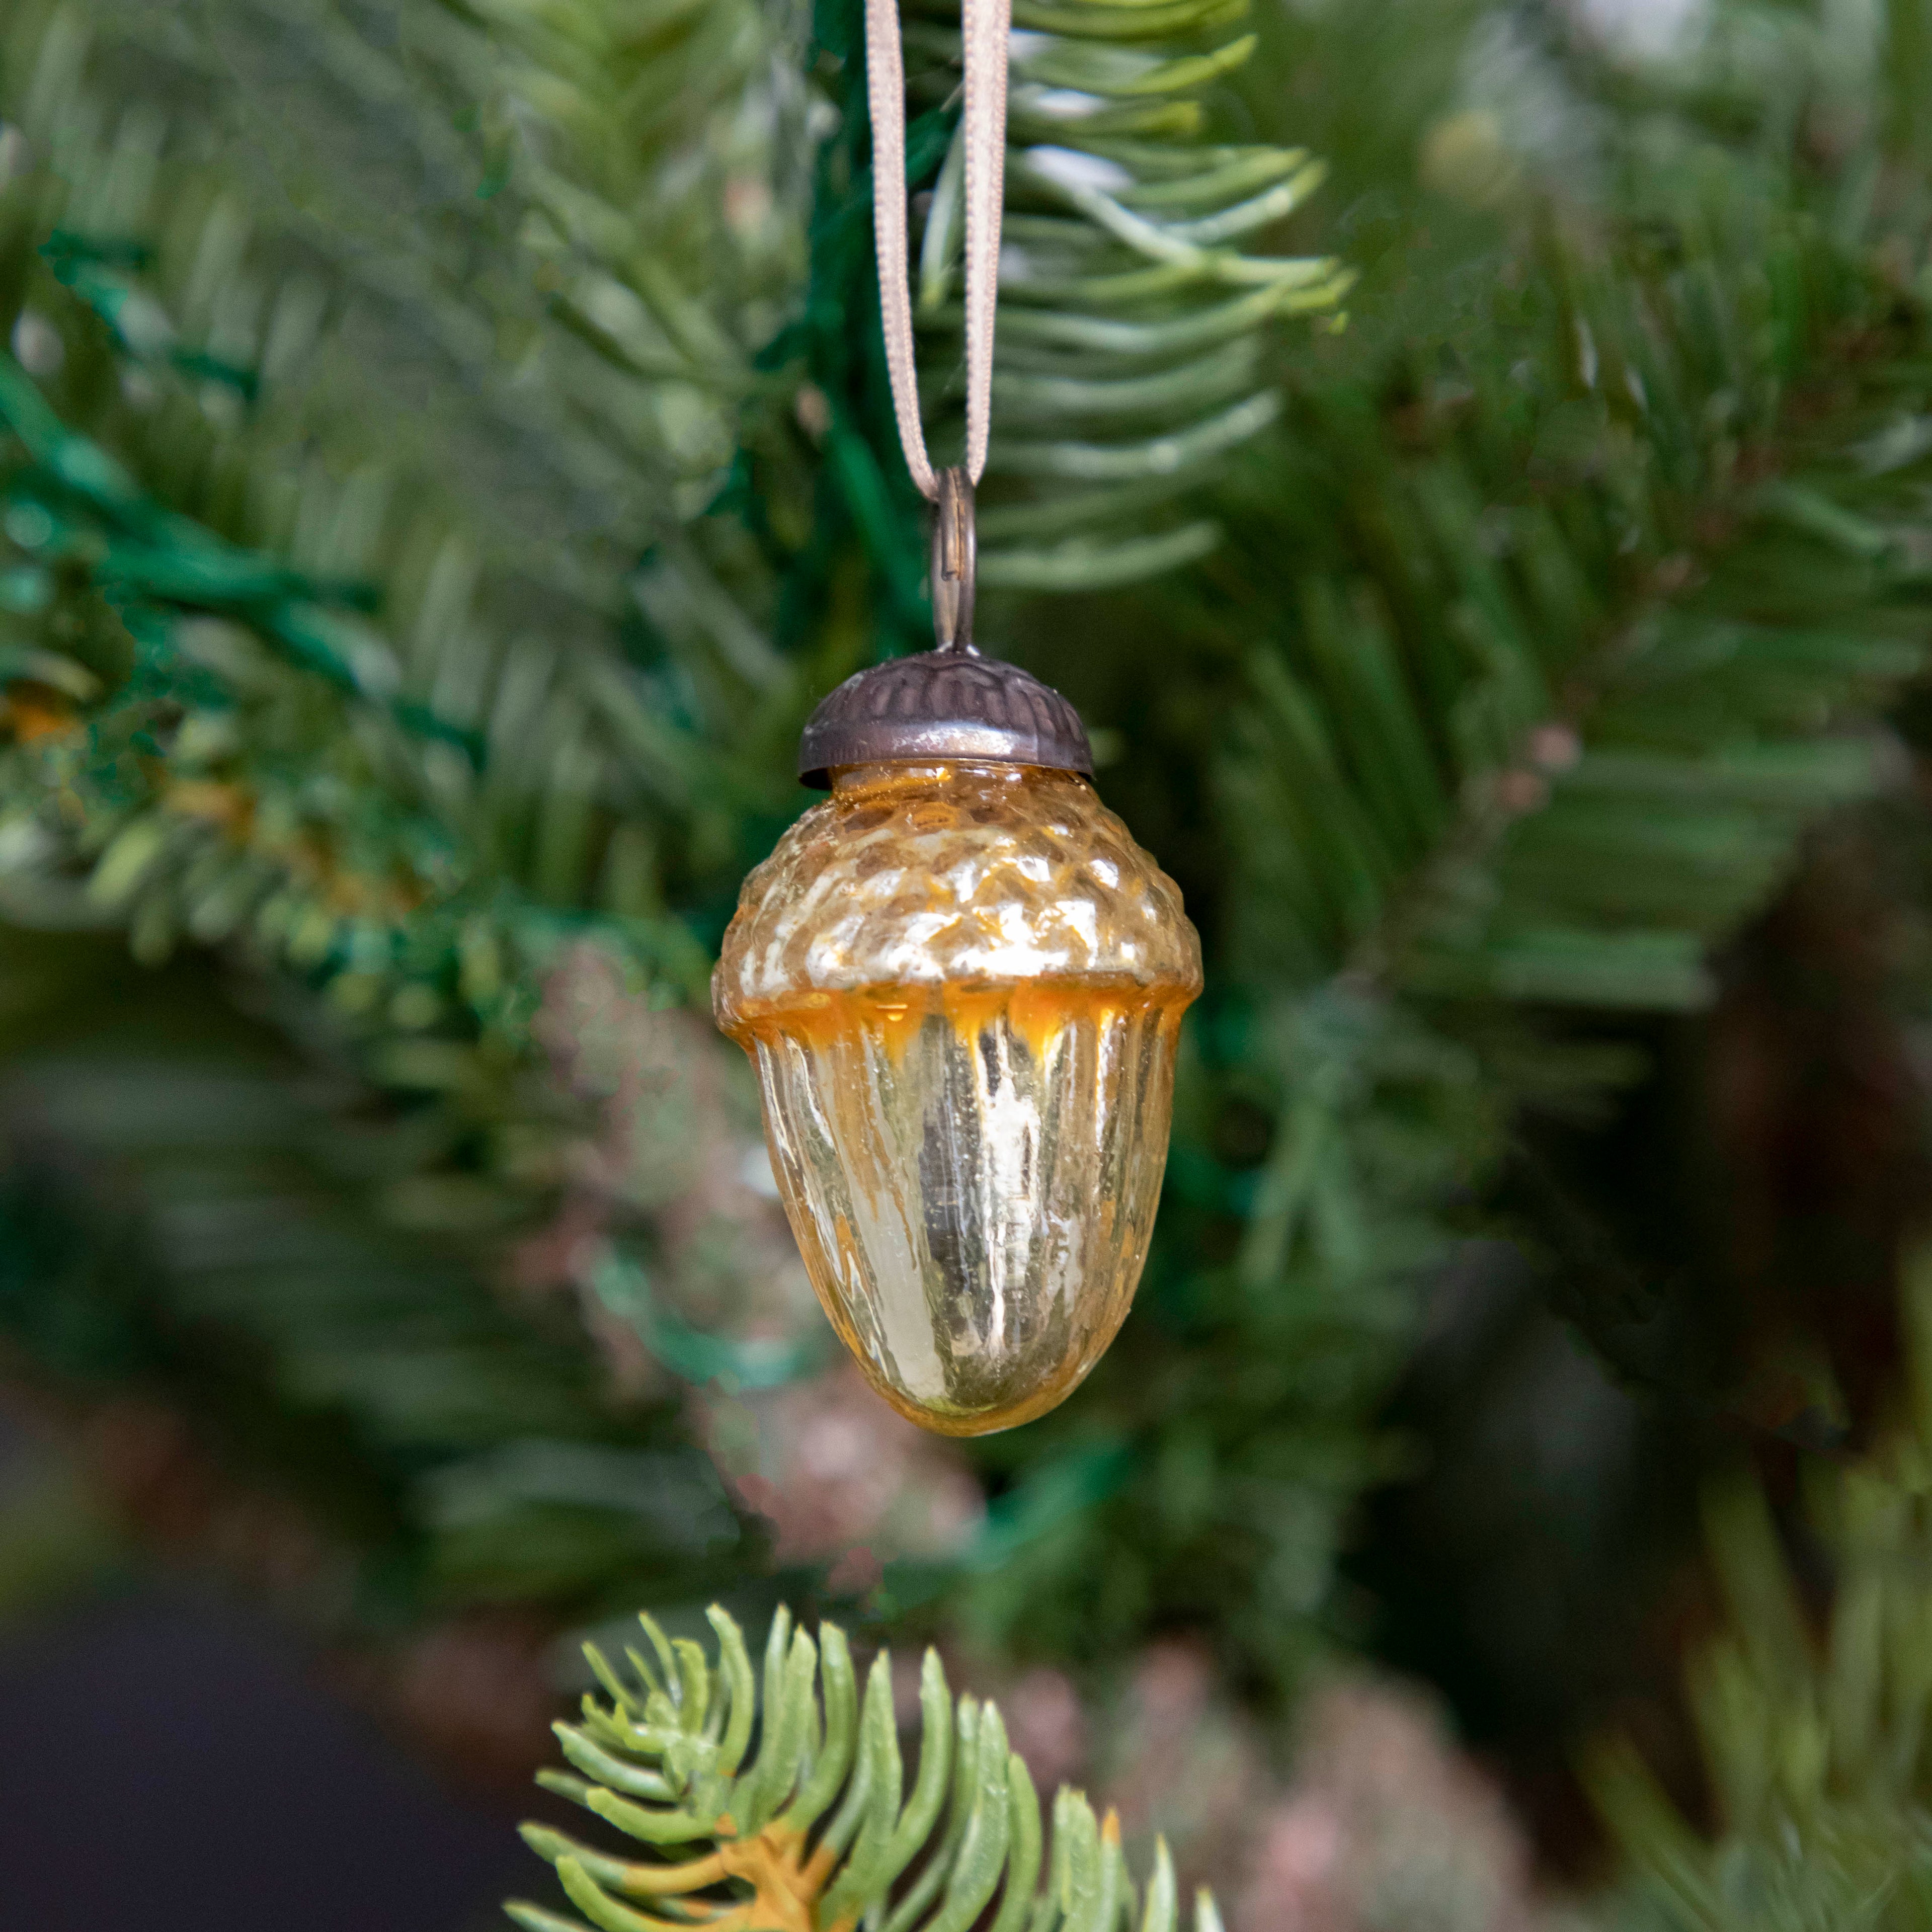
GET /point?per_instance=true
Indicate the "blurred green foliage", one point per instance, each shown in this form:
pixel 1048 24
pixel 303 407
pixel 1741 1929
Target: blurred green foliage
pixel 1813 1715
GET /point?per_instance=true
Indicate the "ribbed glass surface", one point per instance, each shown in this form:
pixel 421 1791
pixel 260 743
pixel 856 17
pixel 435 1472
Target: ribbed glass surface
pixel 961 987
pixel 973 1196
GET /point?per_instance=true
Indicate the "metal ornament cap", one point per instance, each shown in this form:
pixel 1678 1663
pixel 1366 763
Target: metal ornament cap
pixel 948 704
pixel 940 707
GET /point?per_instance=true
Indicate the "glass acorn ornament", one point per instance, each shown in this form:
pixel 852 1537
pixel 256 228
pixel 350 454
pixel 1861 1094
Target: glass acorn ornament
pixel 961 982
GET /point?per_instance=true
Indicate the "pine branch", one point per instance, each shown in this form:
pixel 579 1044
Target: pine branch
pixel 1134 320
pixel 330 741
pixel 192 1223
pixel 1484 754
pixel 1574 610
pixel 814 1826
pixel 1814 1738
pixel 337 745
pixel 1552 715
pixel 489 506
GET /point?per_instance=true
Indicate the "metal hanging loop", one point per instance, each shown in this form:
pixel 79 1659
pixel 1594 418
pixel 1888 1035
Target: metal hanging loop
pixel 955 558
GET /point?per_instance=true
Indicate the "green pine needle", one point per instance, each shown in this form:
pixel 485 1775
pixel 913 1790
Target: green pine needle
pixel 1132 318
pixel 1815 1739
pixel 813 1825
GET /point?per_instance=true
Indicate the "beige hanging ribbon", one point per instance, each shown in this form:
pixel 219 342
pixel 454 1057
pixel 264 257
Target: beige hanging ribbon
pixel 986 29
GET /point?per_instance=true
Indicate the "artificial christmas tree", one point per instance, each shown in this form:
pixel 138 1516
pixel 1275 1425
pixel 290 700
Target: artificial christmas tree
pixel 448 452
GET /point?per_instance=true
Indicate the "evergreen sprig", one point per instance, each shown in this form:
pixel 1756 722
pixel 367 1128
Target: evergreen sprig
pixel 1575 610
pixel 1580 655
pixel 1816 1731
pixel 812 1824
pixel 305 713
pixel 1551 616
pixel 488 596
pixel 1135 323
pixel 188 1223
pixel 1133 320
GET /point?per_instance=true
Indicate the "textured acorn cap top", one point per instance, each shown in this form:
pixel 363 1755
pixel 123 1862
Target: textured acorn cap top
pixel 952 876
pixel 941 706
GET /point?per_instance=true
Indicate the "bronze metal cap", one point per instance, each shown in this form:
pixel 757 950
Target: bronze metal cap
pixel 949 704
pixel 941 706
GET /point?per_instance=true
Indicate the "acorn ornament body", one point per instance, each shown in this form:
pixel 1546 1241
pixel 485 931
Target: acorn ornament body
pixel 961 982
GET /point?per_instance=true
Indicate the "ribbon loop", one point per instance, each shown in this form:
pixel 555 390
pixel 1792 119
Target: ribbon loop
pixel 986 29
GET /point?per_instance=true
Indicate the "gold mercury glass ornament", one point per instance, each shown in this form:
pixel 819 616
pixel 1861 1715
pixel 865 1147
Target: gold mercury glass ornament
pixel 961 982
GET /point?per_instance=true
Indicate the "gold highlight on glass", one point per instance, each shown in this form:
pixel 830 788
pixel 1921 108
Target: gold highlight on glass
pixel 961 986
